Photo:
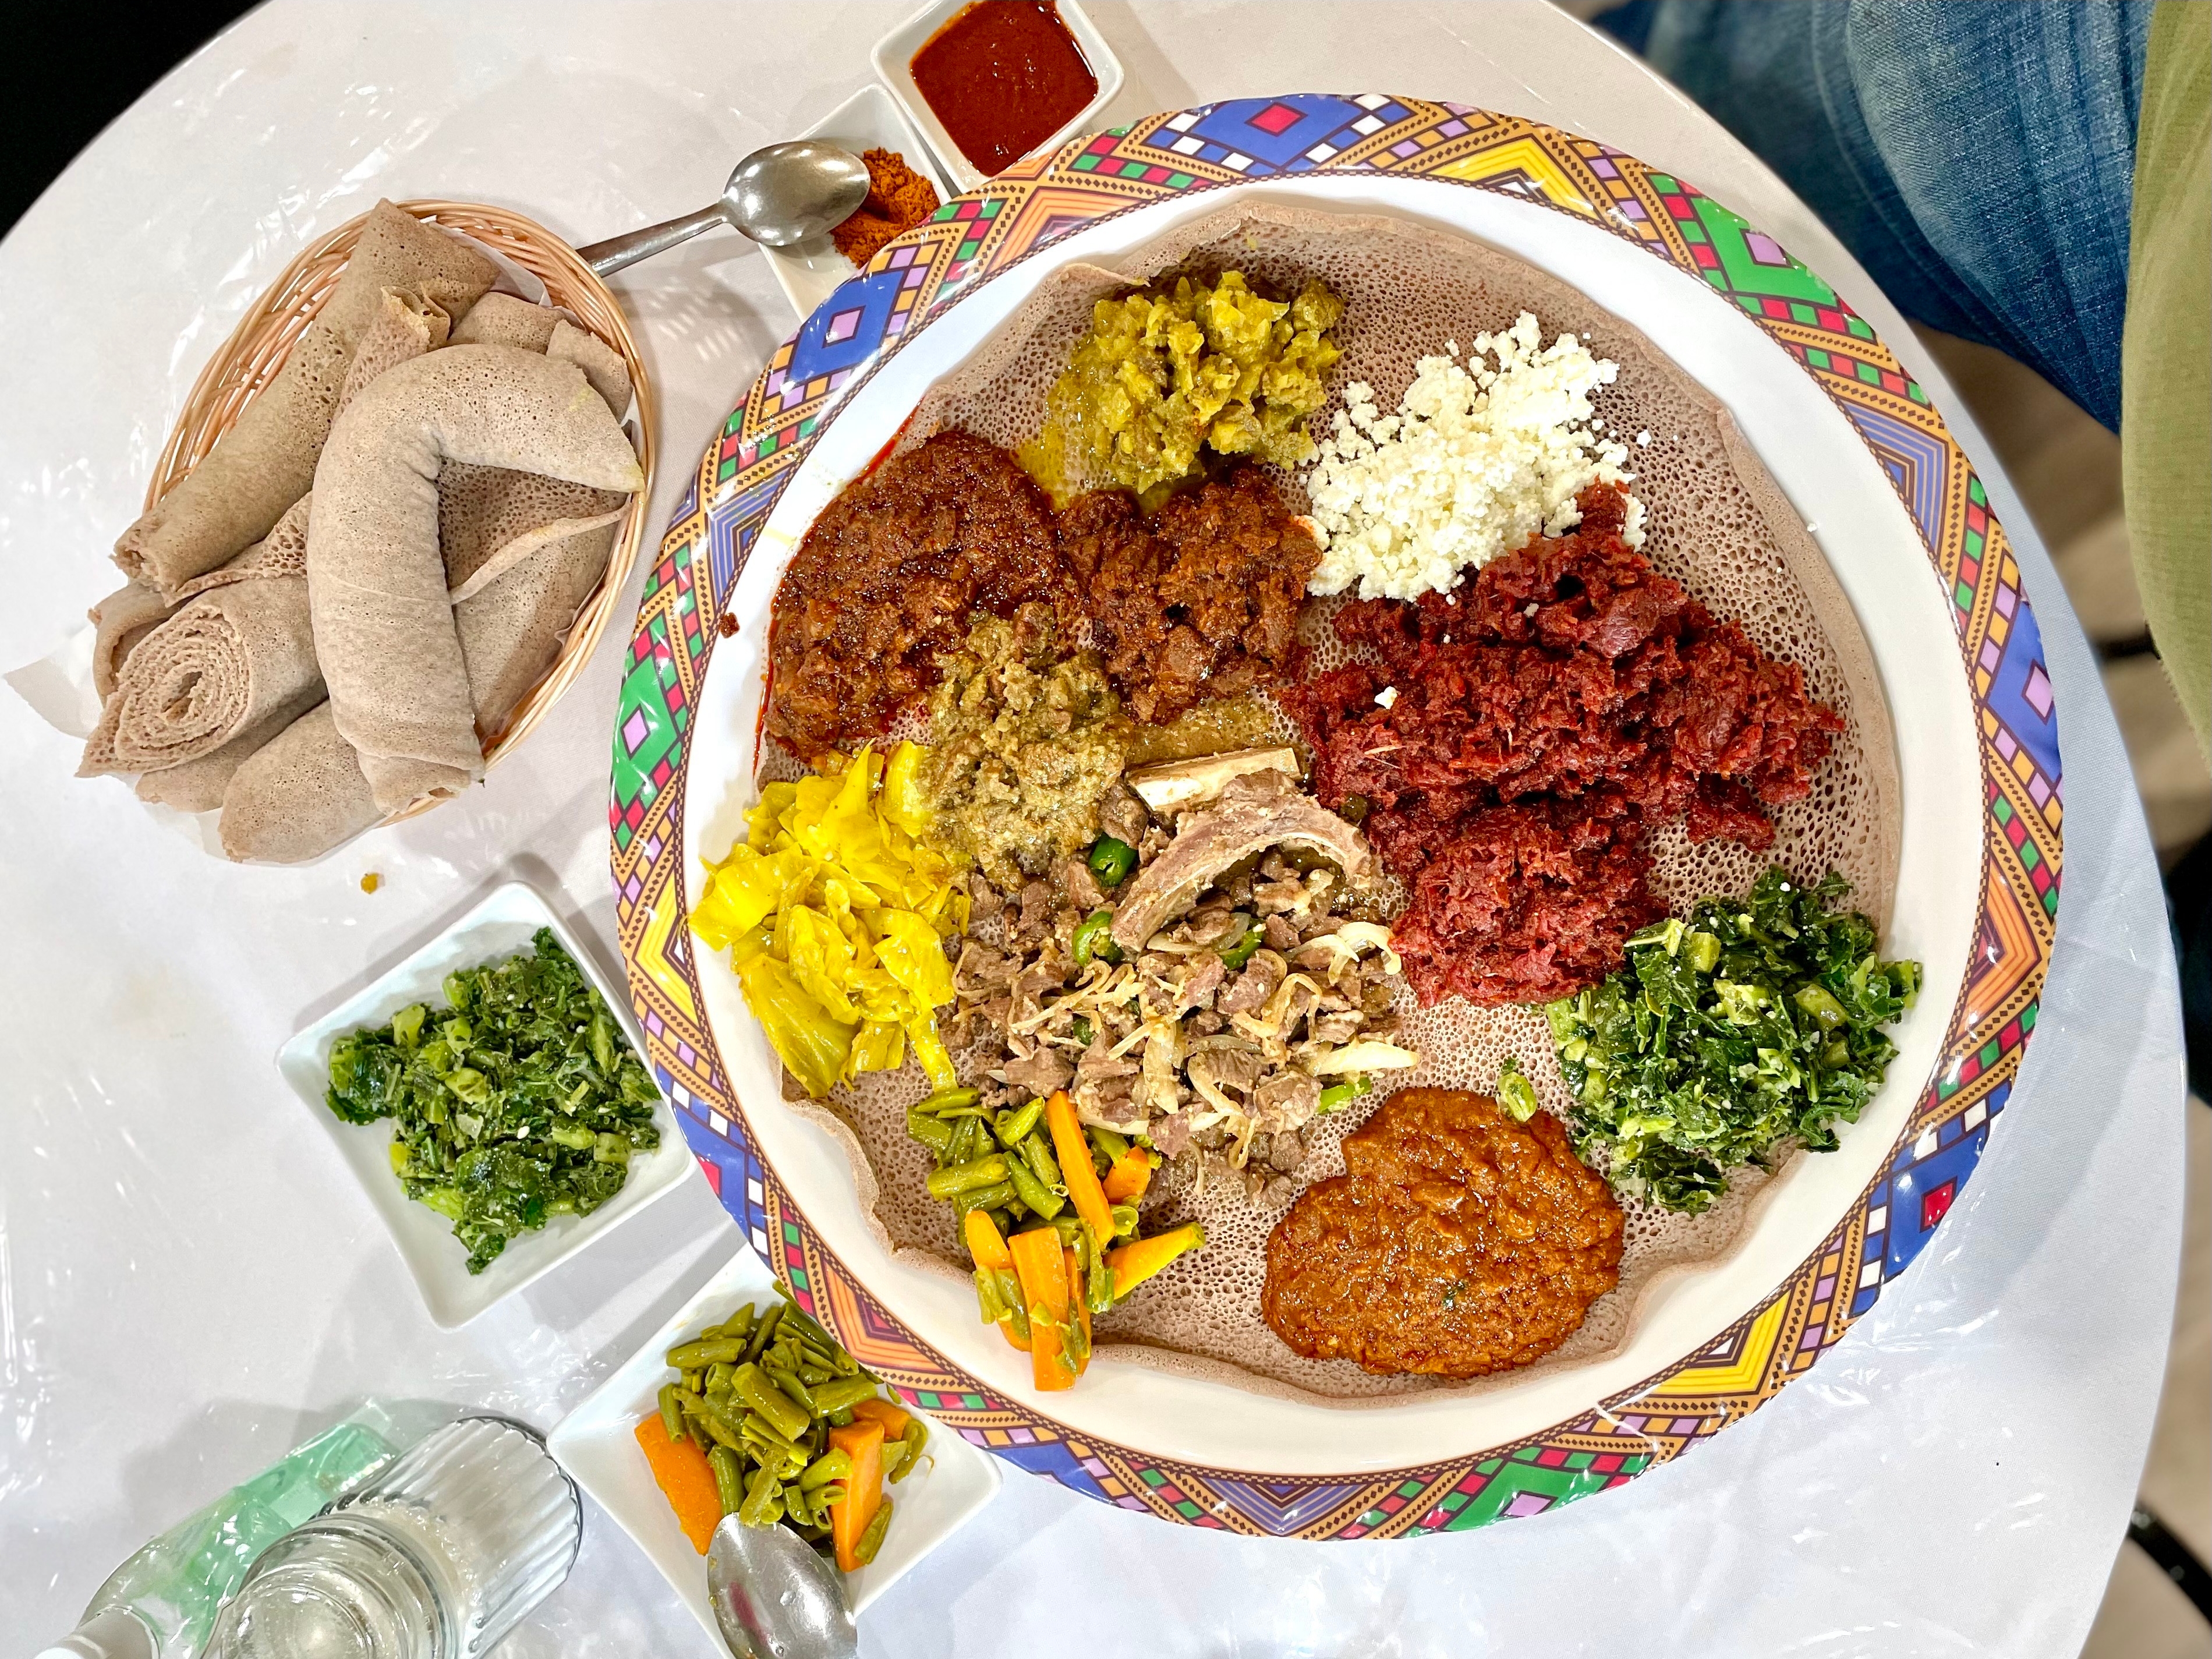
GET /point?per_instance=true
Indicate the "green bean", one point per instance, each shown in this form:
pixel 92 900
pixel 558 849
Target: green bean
pixel 763 1504
pixel 1125 1220
pixel 753 1385
pixel 946 1099
pixel 872 1540
pixel 848 1392
pixel 967 1177
pixel 987 1295
pixel 1075 1342
pixel 1045 1166
pixel 983 1198
pixel 718 1380
pixel 691 1356
pixel 721 1429
pixel 835 1464
pixel 696 1380
pixel 791 1385
pixel 1013 1125
pixel 840 1418
pixel 1071 1230
pixel 1116 1146
pixel 739 1324
pixel 757 1344
pixel 671 1410
pixel 933 1132
pixel 729 1478
pixel 894 1458
pixel 1035 1195
pixel 797 1319
pixel 1098 1287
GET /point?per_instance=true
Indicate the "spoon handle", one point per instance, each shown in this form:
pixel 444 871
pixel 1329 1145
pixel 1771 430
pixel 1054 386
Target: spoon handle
pixel 608 256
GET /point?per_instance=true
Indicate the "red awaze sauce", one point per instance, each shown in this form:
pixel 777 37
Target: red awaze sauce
pixel 1003 76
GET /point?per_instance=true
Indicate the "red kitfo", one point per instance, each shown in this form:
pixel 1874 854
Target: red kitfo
pixel 1549 713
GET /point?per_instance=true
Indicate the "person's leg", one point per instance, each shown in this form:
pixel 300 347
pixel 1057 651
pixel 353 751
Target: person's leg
pixel 1976 157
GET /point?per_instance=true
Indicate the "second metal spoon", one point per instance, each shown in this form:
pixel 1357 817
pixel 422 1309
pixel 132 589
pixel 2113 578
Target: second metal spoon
pixel 780 194
pixel 774 1597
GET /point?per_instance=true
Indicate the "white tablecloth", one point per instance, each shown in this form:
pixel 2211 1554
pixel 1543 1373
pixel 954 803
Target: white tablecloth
pixel 188 1282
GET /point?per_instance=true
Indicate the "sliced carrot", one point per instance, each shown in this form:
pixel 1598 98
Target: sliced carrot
pixel 1072 1148
pixel 1140 1258
pixel 862 1440
pixel 680 1470
pixel 984 1242
pixel 892 1417
pixel 1082 1308
pixel 1125 1182
pixel 1044 1282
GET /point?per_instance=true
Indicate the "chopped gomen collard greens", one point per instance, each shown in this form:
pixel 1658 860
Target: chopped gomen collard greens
pixel 769 1419
pixel 519 1102
pixel 1756 1022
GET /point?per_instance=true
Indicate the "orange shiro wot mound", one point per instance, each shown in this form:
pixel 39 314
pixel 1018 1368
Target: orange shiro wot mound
pixel 1457 1243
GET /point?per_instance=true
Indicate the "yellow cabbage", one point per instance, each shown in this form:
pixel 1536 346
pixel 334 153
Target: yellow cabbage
pixel 835 913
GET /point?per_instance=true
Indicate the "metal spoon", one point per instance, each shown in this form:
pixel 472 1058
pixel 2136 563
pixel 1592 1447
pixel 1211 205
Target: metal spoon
pixel 778 195
pixel 775 1598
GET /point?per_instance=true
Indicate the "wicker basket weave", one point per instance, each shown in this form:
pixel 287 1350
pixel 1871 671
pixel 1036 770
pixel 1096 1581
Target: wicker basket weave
pixel 257 348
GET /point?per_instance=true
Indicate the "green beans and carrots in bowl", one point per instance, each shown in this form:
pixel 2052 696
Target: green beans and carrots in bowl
pixel 769 1419
pixel 1048 1209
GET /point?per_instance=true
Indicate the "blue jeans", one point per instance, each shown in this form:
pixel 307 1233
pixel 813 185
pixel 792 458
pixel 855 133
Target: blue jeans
pixel 1977 155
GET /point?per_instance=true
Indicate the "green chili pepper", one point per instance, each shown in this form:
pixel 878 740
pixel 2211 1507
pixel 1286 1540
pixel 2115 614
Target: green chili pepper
pixel 1034 1195
pixel 1094 936
pixel 1081 1029
pixel 872 1540
pixel 729 1478
pixel 1353 809
pixel 1338 1096
pixel 1111 860
pixel 1238 951
pixel 1014 1125
pixel 967 1177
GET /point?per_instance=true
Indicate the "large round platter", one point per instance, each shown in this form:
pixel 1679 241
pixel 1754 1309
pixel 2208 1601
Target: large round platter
pixel 1890 498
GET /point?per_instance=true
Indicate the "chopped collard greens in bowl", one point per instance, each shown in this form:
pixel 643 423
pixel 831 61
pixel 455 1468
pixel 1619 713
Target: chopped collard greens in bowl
pixel 517 1101
pixel 1754 1027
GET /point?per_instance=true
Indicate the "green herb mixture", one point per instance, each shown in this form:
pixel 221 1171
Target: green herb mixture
pixel 519 1102
pixel 1754 1025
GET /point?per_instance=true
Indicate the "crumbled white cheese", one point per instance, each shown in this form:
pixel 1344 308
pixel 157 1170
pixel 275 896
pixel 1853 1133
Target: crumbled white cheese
pixel 1476 460
pixel 1387 697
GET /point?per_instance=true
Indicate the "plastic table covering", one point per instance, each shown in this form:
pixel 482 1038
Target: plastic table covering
pixel 190 1282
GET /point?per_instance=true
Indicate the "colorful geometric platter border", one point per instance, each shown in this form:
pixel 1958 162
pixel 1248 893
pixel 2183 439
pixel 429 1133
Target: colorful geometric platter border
pixel 1217 146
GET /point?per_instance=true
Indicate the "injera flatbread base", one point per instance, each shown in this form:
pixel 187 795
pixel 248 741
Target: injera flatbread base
pixel 1718 523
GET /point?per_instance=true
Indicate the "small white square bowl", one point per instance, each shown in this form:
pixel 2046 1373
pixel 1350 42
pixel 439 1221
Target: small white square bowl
pixel 597 1443
pixel 502 926
pixel 894 60
pixel 810 272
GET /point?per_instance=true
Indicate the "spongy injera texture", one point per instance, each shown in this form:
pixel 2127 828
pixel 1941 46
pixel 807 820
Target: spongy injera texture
pixel 1718 523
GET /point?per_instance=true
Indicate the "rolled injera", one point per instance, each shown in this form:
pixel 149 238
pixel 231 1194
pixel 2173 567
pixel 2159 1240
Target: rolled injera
pixel 267 461
pixel 384 624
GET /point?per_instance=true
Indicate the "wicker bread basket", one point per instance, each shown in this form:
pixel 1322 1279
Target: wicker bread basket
pixel 257 348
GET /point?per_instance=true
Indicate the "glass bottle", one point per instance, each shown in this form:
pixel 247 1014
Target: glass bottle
pixel 161 1603
pixel 437 1557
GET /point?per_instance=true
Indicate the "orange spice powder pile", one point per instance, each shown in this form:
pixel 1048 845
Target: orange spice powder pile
pixel 899 199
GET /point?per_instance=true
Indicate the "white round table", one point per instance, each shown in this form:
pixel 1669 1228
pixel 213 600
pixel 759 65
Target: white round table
pixel 189 1283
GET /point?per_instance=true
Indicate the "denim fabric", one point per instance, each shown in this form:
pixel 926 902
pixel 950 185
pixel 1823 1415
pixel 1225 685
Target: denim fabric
pixel 1976 156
